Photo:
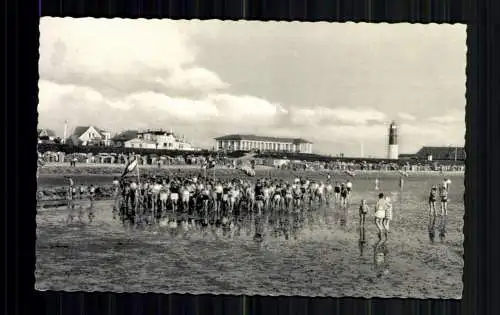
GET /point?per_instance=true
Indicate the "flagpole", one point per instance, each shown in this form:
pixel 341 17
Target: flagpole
pixel 137 169
pixel 138 186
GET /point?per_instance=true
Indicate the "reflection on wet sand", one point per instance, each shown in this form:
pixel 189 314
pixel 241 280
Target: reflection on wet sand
pixel 362 240
pixel 380 258
pixel 285 225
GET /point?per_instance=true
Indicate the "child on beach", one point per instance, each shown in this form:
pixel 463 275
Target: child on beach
pixel 443 194
pixel 380 214
pixel 388 215
pixel 363 210
pixel 432 210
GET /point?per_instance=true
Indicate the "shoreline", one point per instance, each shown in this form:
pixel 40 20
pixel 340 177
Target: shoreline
pixel 60 169
pixel 52 186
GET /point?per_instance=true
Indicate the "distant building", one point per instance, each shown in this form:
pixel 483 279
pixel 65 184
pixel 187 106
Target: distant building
pixel 120 139
pixel 47 136
pixel 449 153
pixel 89 136
pixel 158 139
pixel 262 143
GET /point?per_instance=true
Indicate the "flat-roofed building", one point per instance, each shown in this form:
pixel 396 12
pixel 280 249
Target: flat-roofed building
pixel 238 142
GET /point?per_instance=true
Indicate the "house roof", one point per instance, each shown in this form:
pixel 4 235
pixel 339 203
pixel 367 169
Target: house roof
pixel 48 132
pixel 407 155
pixel 442 153
pixel 263 138
pixel 80 130
pixel 126 135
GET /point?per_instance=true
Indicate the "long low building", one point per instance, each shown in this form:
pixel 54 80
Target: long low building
pixel 238 142
pixel 448 153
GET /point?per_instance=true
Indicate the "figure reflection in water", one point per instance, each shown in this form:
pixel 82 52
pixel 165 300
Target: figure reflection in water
pixel 362 240
pixel 432 211
pixel 259 228
pixel 363 210
pixel 380 253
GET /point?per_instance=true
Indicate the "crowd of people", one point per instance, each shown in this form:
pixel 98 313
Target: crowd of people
pixel 196 201
pixel 206 200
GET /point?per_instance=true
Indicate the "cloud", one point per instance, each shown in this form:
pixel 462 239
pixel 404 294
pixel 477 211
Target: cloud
pixel 202 79
pixel 406 116
pixel 59 100
pixel 344 116
pixel 123 56
pixel 452 117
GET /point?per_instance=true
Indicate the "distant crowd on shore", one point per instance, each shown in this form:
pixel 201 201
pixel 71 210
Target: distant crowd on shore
pixel 200 160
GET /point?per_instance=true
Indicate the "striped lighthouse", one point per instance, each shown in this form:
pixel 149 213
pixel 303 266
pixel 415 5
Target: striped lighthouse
pixel 392 152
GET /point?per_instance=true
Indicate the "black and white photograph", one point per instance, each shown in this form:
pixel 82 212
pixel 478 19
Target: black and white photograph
pixel 251 158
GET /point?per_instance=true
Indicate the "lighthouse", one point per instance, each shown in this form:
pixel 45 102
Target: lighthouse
pixel 392 152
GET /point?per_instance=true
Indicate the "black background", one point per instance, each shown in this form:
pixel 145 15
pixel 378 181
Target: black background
pixel 481 272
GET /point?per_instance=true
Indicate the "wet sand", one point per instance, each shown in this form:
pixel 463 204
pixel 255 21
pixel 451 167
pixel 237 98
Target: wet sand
pixel 324 260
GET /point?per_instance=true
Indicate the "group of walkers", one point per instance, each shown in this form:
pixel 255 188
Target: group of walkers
pixel 193 200
pixel 438 193
pixel 203 200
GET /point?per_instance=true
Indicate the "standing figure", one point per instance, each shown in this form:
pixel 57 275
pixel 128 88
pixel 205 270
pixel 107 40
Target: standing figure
pixel 336 190
pixel 380 214
pixel 388 215
pixel 443 194
pixel 432 210
pixel 363 210
pixel 344 193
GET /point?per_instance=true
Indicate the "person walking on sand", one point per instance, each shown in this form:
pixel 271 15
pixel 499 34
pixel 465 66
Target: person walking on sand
pixel 363 210
pixel 432 210
pixel 443 196
pixel 380 208
pixel 388 215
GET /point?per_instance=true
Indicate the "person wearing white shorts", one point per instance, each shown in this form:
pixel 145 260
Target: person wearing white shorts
pixel 380 208
pixel 388 215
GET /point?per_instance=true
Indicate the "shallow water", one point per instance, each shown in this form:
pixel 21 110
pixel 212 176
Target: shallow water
pixel 325 259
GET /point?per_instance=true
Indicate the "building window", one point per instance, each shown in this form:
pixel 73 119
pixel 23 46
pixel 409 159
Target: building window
pixel 165 144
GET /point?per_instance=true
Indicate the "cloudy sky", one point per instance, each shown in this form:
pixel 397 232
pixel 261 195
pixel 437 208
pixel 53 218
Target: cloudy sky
pixel 336 84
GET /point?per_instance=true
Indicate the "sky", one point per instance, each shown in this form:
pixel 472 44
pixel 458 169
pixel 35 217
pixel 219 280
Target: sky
pixel 338 85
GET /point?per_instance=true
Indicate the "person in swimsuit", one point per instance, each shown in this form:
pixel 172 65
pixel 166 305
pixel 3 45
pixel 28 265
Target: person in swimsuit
pixel 363 211
pixel 225 199
pixel 388 215
pixel 92 192
pixel 380 214
pixel 218 197
pixel 348 186
pixel 443 196
pixel 259 196
pixel 81 192
pixel 343 195
pixel 432 210
pixel 446 183
pixel 174 197
pixel 336 190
